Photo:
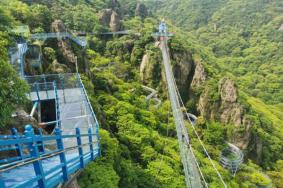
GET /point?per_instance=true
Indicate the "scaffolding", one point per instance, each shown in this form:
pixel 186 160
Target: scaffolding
pixel 231 158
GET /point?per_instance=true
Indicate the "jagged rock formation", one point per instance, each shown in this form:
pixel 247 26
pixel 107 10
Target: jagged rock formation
pixel 150 69
pixel 141 10
pixel 115 23
pixel 199 75
pixel 227 110
pixel 183 69
pixel 111 19
pixel 146 68
pixel 64 45
pixel 105 16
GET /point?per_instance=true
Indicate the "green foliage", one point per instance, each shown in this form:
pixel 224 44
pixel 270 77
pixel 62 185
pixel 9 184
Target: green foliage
pixel 249 48
pixel 139 148
pixel 49 53
pixel 215 134
pixel 12 92
pixel 99 174
pixel 81 18
pixel 13 89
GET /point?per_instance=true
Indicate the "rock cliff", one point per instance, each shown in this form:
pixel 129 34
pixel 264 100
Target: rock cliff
pixel 111 19
pixel 223 106
pixel 228 110
pixel 64 44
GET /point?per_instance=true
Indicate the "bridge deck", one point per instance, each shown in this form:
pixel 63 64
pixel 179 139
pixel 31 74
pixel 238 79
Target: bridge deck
pixel 21 174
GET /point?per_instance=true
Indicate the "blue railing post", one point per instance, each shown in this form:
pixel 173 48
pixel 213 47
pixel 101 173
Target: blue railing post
pixel 79 142
pixel 90 134
pixel 19 147
pixel 37 165
pixel 42 147
pixel 2 184
pixel 60 146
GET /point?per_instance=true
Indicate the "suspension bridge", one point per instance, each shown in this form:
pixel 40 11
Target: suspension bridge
pixel 193 173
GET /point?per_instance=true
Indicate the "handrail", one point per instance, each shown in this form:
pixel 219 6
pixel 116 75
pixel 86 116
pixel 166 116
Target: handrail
pixel 89 104
pixel 60 172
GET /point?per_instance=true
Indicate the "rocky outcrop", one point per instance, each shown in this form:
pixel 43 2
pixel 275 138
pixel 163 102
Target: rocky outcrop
pixel 146 69
pixel 231 110
pixel 281 28
pixel 115 23
pixel 183 69
pixel 141 10
pixel 105 16
pixel 111 19
pixel 199 75
pixel 63 44
pixel 227 110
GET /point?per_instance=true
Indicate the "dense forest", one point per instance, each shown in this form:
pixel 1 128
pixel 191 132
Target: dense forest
pixel 227 60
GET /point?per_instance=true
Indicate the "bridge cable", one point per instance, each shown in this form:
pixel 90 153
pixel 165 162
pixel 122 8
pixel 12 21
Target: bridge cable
pixel 198 137
pixel 189 144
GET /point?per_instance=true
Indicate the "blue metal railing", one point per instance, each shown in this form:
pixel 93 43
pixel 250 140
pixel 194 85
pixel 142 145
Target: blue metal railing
pixel 61 163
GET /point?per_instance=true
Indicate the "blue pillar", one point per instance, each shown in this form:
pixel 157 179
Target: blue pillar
pixel 60 146
pixel 90 134
pixel 18 146
pixel 79 141
pixel 33 149
pixel 42 147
